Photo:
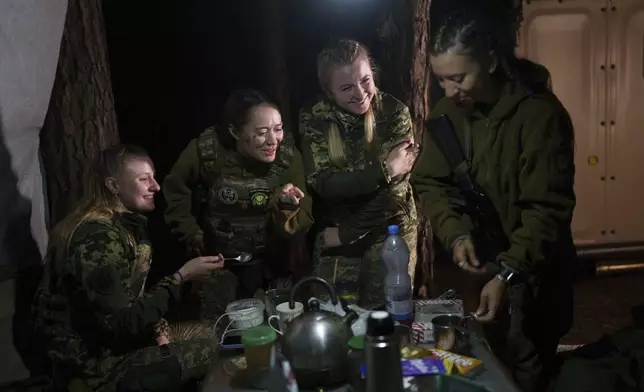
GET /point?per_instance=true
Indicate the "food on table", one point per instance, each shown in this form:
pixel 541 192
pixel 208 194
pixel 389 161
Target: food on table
pixel 462 364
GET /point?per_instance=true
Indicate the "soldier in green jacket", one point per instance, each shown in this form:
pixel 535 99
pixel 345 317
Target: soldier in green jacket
pixel 518 143
pixel 238 166
pixel 358 150
pixel 98 324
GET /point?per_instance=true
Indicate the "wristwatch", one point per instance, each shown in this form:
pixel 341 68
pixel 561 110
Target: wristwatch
pixel 507 275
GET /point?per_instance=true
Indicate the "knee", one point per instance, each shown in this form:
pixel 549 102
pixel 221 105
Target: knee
pixel 164 375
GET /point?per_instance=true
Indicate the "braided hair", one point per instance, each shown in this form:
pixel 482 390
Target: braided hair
pixel 480 27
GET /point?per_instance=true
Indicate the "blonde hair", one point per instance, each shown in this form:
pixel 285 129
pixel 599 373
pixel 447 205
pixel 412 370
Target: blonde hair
pixel 98 202
pixel 342 53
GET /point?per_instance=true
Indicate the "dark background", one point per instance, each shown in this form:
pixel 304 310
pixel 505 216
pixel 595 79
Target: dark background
pixel 173 64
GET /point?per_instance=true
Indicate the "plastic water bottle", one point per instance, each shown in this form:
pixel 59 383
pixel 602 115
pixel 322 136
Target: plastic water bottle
pixel 398 295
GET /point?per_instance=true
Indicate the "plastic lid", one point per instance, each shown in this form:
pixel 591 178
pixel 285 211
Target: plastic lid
pixel 258 336
pixel 357 342
pixel 380 323
pixel 393 229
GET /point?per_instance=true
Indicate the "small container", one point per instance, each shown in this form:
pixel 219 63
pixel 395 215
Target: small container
pixel 348 291
pixel 258 343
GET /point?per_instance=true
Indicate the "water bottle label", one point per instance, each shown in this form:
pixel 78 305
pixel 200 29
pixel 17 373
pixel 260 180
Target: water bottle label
pixel 400 307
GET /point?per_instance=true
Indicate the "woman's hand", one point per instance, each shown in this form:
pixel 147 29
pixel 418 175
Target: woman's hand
pixel 200 267
pixel 401 159
pixel 290 194
pixel 161 340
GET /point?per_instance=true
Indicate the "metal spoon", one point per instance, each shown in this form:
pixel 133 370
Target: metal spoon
pixel 241 258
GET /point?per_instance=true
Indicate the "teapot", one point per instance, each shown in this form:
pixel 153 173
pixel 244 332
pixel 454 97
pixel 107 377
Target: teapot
pixel 316 343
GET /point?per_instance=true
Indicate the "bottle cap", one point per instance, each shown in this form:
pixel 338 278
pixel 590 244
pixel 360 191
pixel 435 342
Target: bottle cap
pixel 380 323
pixel 393 229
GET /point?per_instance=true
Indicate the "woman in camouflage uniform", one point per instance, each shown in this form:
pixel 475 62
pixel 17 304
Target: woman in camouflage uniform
pixel 239 164
pixel 97 322
pixel 358 148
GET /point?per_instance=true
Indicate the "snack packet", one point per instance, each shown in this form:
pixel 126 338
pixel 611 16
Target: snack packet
pixel 455 363
pixel 415 367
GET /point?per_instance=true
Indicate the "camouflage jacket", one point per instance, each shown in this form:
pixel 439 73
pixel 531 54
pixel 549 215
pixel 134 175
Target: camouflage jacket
pixel 357 197
pixel 91 306
pixel 240 195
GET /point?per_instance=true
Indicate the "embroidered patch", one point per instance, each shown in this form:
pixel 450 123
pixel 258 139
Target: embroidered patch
pixel 259 197
pixel 228 195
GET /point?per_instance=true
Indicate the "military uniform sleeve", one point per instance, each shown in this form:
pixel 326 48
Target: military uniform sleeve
pixel 327 181
pixel 369 216
pixel 432 182
pixel 177 190
pixel 102 267
pixel 293 219
pixel 546 181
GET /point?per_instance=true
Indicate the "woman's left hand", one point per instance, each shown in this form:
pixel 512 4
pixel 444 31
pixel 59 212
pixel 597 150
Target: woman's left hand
pixel 290 194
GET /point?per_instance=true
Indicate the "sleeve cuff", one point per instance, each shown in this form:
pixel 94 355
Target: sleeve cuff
pixel 376 174
pixel 459 238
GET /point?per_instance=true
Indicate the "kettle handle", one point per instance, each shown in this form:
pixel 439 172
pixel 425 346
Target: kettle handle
pixel 312 279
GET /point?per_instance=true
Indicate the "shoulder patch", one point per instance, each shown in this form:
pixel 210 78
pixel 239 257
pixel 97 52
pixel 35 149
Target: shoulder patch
pixel 208 148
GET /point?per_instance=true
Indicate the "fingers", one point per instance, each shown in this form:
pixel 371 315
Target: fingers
pixel 471 255
pixel 422 291
pixel 287 188
pixel 466 266
pixel 488 307
pixel 481 313
pixel 211 259
pixel 297 192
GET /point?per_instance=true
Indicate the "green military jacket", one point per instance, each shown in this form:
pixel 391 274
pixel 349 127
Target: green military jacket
pixel 523 156
pixel 241 197
pixel 357 197
pixel 91 308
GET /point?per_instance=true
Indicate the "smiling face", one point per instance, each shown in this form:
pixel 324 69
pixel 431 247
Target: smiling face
pixel 261 135
pixel 465 78
pixel 352 87
pixel 135 185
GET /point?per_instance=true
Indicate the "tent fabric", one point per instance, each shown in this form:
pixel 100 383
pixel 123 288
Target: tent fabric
pixel 30 36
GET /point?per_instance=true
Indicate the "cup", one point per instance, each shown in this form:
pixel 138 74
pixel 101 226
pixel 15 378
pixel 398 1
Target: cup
pixel 450 333
pixel 258 343
pixel 285 314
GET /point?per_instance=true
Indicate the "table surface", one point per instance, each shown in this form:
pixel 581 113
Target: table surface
pixel 494 375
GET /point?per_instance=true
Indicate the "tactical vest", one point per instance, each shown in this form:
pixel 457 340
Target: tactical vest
pixel 235 216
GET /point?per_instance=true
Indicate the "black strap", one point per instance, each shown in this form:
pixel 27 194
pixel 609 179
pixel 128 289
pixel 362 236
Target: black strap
pixel 443 134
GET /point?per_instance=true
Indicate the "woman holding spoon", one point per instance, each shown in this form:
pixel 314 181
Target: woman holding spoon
pixel 237 190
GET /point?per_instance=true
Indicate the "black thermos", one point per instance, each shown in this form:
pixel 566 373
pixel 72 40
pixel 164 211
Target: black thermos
pixel 382 354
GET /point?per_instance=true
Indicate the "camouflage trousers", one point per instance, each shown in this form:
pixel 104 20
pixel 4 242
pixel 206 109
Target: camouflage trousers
pixel 224 287
pixel 366 270
pixel 154 368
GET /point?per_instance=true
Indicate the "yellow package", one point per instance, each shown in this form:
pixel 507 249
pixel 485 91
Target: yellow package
pixel 414 352
pixel 462 364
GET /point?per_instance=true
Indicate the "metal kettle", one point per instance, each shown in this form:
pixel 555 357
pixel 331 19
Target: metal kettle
pixel 316 343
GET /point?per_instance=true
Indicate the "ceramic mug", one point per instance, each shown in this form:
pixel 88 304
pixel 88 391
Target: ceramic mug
pixel 286 314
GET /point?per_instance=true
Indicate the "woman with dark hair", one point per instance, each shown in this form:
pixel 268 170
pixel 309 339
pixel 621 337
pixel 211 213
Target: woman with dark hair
pixel 239 164
pixel 97 322
pixel 518 143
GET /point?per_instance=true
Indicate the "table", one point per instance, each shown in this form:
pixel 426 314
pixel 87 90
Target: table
pixel 494 376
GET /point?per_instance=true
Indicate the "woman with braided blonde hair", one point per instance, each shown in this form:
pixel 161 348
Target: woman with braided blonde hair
pixel 358 150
